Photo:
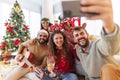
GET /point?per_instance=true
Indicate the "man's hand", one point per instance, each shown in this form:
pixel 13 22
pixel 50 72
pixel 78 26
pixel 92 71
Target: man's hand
pixel 103 9
pixel 18 57
pixel 39 73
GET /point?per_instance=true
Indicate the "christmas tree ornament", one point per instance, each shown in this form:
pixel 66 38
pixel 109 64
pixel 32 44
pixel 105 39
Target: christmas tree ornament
pixel 17 7
pixel 16 30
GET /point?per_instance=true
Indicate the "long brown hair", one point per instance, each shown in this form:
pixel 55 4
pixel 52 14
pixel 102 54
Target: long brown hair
pixel 52 45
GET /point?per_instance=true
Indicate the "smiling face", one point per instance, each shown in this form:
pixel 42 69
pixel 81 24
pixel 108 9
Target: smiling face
pixel 45 24
pixel 42 38
pixel 81 37
pixel 58 40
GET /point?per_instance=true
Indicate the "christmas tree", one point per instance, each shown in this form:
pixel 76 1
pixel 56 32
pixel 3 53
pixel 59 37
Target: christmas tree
pixel 16 30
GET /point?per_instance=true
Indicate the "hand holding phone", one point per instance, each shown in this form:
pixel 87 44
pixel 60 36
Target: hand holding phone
pixel 87 12
pixel 71 8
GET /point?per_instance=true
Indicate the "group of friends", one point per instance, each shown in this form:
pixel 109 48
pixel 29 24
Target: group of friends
pixel 95 56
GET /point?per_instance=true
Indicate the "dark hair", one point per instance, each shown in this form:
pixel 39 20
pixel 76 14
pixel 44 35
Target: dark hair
pixel 79 28
pixel 45 19
pixel 52 46
pixel 66 23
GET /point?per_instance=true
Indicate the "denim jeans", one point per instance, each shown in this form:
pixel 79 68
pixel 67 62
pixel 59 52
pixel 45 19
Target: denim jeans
pixel 69 76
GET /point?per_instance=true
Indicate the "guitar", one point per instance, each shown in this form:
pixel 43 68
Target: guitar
pixel 24 58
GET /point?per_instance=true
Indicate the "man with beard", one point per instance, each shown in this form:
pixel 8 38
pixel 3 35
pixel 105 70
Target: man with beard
pixel 38 48
pixel 96 56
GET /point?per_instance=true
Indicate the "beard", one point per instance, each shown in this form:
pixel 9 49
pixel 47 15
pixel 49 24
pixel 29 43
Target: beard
pixel 83 42
pixel 42 41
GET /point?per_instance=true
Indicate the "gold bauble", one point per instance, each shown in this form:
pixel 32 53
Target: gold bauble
pixel 14 48
pixel 14 20
pixel 8 35
pixel 17 9
pixel 16 34
pixel 91 37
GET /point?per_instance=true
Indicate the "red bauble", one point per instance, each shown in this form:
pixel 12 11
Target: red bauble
pixel 16 42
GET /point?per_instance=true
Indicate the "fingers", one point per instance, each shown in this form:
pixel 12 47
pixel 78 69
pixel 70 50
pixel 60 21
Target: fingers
pixel 19 57
pixel 91 9
pixel 95 2
pixel 101 9
pixel 95 8
pixel 38 71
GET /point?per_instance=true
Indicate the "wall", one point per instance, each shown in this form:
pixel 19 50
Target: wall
pixel 33 5
pixel 32 17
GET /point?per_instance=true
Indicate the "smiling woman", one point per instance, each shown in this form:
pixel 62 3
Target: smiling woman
pixel 65 55
pixel 33 10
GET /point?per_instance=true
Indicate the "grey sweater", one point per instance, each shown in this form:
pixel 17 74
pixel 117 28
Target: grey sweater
pixel 100 52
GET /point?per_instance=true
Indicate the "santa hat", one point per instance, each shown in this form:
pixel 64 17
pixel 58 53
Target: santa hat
pixel 43 31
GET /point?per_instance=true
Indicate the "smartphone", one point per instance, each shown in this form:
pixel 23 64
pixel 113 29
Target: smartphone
pixel 71 8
